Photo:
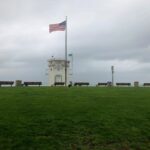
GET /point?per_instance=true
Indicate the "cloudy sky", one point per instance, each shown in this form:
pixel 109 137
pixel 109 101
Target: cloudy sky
pixel 101 33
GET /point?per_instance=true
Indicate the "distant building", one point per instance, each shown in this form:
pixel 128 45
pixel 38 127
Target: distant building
pixel 56 71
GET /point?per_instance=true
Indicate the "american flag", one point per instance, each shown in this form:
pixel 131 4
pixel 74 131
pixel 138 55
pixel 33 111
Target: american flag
pixel 57 27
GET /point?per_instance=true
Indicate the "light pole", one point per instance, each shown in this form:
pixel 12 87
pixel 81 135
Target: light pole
pixel 112 70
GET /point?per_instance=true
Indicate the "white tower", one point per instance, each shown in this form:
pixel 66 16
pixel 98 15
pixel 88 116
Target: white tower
pixel 57 71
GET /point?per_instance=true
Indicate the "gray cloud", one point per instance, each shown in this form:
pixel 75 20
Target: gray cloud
pixel 101 33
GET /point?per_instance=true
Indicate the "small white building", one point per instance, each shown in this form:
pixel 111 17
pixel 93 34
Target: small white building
pixel 56 71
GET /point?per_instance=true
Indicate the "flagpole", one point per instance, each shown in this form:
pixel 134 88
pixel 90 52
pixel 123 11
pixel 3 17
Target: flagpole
pixel 66 54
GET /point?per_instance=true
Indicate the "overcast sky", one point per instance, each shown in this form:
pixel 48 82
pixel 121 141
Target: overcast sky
pixel 101 33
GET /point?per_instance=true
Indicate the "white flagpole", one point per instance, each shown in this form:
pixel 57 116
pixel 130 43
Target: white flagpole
pixel 66 54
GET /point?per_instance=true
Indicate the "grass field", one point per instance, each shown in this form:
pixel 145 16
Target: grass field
pixel 74 118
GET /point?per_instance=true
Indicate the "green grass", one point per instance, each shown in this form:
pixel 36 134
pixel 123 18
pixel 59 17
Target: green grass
pixel 74 118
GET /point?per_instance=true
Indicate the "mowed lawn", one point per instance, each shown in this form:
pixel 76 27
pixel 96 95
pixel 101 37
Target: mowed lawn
pixel 81 118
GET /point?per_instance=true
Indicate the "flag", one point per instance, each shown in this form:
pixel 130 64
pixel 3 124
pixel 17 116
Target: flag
pixel 57 27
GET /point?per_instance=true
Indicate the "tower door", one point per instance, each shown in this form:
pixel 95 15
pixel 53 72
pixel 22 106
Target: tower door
pixel 58 78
